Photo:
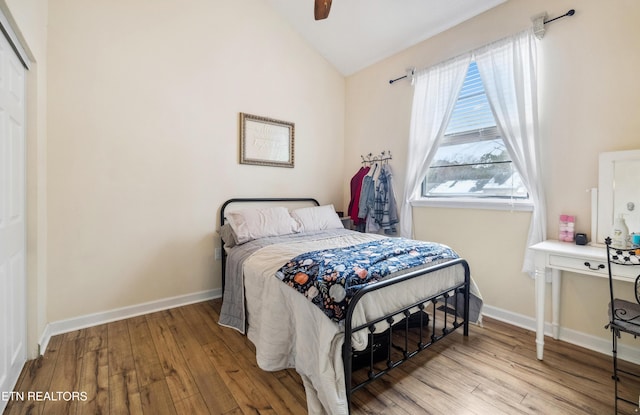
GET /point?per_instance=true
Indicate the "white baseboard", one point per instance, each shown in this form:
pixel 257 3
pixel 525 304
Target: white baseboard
pixel 588 341
pixel 89 320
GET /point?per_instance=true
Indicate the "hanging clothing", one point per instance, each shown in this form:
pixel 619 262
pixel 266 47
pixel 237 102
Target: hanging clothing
pixel 367 194
pixel 367 204
pixel 356 189
pixel 386 209
pixel 367 197
pixel 371 226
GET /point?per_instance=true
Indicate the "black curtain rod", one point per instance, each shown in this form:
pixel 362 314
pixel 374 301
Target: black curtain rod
pixel 569 13
pixel 397 79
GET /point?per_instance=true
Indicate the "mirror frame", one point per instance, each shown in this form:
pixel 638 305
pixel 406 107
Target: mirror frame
pixel 606 186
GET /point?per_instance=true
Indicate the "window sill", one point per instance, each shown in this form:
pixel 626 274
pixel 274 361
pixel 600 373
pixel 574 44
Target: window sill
pixel 462 203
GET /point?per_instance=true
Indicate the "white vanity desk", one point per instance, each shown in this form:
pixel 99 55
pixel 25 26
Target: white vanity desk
pixel 618 175
pixel 567 256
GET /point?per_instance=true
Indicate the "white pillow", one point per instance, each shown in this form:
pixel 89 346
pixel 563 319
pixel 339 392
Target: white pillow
pixel 228 236
pixel 317 218
pixel 250 224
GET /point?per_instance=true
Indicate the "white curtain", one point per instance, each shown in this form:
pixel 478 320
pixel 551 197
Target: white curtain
pixel 435 94
pixel 508 72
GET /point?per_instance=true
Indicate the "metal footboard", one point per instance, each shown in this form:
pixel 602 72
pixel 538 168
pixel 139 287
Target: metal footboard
pixel 439 315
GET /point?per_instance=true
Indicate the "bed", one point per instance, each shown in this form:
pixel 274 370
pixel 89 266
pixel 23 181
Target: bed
pixel 290 285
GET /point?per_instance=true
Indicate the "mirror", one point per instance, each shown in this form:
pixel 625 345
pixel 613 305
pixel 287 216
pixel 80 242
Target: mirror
pixel 618 191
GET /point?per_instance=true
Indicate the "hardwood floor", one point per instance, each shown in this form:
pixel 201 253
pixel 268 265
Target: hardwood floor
pixel 180 361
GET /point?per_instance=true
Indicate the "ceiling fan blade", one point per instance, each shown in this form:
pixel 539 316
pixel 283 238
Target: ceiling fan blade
pixel 321 9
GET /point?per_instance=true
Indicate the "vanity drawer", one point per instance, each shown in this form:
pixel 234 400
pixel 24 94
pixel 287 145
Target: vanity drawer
pixel 579 265
pixel 595 267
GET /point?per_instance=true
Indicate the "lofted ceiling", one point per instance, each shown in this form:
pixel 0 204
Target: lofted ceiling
pixel 359 33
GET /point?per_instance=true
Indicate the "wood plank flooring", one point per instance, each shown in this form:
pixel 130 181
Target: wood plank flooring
pixel 180 361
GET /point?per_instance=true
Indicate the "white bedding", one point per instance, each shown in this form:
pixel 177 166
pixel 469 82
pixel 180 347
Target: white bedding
pixel 290 332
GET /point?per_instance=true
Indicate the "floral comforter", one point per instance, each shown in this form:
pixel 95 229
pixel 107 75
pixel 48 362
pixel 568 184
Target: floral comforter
pixel 330 277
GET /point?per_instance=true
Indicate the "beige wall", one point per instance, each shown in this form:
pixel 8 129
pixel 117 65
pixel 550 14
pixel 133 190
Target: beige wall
pixel 28 19
pixel 144 99
pixel 589 103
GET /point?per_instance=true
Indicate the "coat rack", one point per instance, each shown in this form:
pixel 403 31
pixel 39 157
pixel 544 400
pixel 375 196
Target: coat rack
pixel 369 159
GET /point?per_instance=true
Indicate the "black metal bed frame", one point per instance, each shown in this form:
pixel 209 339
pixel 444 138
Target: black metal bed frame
pixel 445 304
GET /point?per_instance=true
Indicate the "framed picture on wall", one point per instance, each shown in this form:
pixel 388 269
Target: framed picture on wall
pixel 265 141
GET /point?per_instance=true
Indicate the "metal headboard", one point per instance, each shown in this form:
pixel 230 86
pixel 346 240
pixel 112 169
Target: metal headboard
pixel 255 200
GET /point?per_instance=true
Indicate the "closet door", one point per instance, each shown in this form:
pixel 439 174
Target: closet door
pixel 13 319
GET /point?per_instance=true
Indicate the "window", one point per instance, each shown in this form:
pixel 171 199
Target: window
pixel 472 160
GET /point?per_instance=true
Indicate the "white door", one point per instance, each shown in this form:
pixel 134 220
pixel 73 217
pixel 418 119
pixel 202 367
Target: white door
pixel 13 319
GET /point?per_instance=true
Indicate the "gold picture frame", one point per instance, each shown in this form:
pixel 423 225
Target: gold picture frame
pixel 266 141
